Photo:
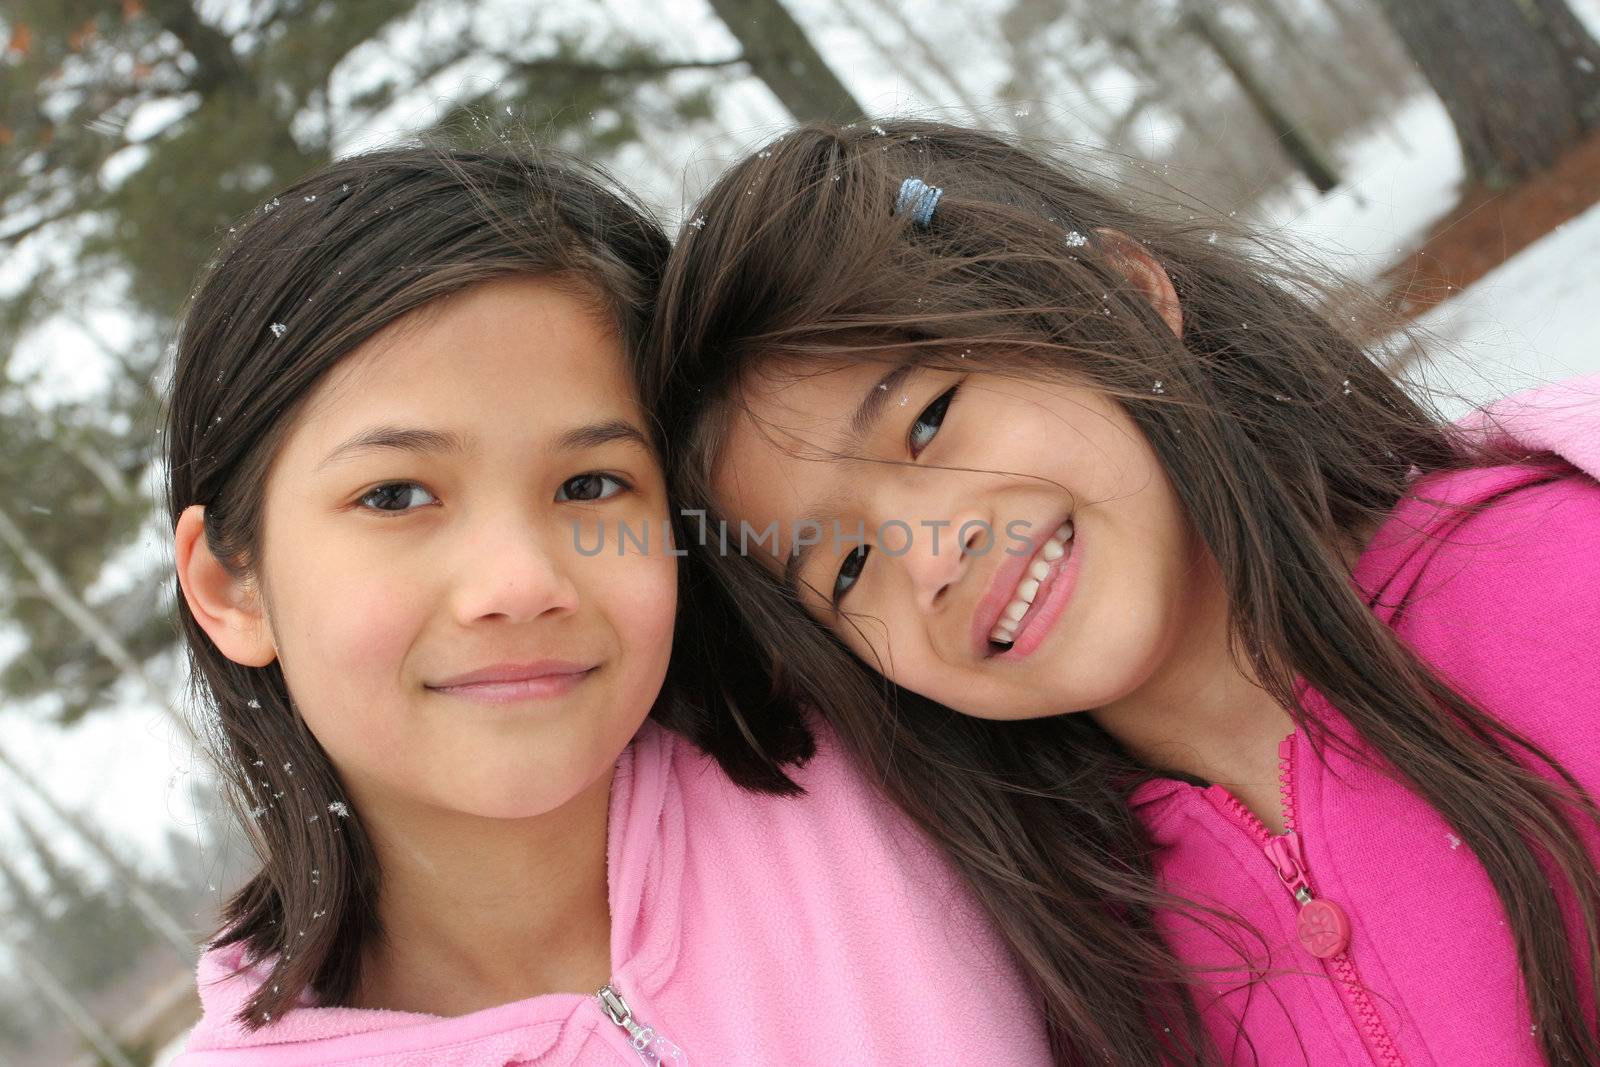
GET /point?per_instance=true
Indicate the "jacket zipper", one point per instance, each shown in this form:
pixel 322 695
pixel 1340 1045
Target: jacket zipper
pixel 1321 926
pixel 652 1047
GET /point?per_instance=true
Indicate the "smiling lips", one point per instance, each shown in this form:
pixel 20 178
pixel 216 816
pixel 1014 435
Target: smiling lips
pixel 506 683
pixel 1018 591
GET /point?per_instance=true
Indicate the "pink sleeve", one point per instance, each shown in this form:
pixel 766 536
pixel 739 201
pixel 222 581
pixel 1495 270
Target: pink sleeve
pixel 1507 608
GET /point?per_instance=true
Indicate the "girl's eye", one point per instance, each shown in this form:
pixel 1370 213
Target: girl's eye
pixel 590 487
pixel 849 571
pixel 928 423
pixel 397 498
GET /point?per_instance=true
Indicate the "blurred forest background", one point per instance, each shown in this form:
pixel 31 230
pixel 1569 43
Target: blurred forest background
pixel 134 132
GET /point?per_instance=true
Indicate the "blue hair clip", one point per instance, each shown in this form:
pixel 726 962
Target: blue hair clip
pixel 919 198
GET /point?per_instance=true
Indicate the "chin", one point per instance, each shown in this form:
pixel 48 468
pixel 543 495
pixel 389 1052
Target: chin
pixel 507 787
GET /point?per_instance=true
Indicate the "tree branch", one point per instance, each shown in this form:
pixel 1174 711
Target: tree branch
pixel 640 69
pixel 21 232
pixel 209 46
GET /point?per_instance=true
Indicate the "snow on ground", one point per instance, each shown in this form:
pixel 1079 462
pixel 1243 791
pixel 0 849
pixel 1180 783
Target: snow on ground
pixel 1527 322
pixel 1399 180
pixel 1530 321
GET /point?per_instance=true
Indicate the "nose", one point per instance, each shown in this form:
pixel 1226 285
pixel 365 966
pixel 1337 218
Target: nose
pixel 514 571
pixel 939 544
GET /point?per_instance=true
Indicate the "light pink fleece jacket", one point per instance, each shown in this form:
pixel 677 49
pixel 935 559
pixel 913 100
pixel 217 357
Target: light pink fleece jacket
pixel 745 929
pixel 1504 604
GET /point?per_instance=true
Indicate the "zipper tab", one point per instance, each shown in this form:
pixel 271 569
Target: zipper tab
pixel 653 1048
pixel 1321 925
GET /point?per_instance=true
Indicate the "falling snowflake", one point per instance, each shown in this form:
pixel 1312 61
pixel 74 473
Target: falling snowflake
pixel 1455 842
pixel 278 329
pixel 339 808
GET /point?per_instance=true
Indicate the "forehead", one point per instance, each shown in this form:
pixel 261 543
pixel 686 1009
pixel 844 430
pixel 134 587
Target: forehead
pixel 519 354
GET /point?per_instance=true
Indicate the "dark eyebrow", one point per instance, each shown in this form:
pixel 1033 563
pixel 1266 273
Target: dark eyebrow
pixel 396 438
pixel 866 416
pixel 597 434
pixel 426 442
pixel 870 410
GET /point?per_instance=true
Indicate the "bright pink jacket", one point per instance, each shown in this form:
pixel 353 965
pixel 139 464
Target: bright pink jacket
pixel 1505 604
pixel 746 929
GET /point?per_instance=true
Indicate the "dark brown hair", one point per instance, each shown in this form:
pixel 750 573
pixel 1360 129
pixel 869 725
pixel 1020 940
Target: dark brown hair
pixel 1284 440
pixel 303 281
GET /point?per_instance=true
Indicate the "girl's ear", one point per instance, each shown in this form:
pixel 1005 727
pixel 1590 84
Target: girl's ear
pixel 228 607
pixel 1141 268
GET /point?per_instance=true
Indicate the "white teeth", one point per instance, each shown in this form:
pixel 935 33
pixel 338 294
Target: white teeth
pixel 1005 630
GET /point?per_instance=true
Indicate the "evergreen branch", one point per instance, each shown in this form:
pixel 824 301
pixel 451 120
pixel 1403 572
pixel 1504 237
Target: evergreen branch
pixel 27 230
pixel 639 69
pixel 210 47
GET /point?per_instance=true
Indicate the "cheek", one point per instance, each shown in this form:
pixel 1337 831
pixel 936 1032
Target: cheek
pixel 894 647
pixel 353 618
pixel 343 635
pixel 638 593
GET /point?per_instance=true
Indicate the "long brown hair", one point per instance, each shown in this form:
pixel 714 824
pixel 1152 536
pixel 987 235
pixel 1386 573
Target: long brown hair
pixel 1283 438
pixel 317 270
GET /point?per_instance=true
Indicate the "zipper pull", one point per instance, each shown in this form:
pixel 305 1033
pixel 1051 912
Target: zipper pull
pixel 1321 925
pixel 653 1048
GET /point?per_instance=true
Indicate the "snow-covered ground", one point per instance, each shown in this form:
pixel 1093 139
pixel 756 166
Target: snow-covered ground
pixel 1529 321
pixel 1532 320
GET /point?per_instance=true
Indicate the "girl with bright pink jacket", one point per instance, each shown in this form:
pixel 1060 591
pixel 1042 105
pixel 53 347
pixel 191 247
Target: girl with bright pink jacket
pixel 1259 706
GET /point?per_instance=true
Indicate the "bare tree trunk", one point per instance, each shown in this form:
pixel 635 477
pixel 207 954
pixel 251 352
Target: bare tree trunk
pixel 782 56
pixel 930 56
pixel 1519 78
pixel 71 1008
pixel 55 588
pixel 154 913
pixel 1306 156
pixel 886 52
pixel 1174 97
pixel 1284 33
pixel 1374 40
